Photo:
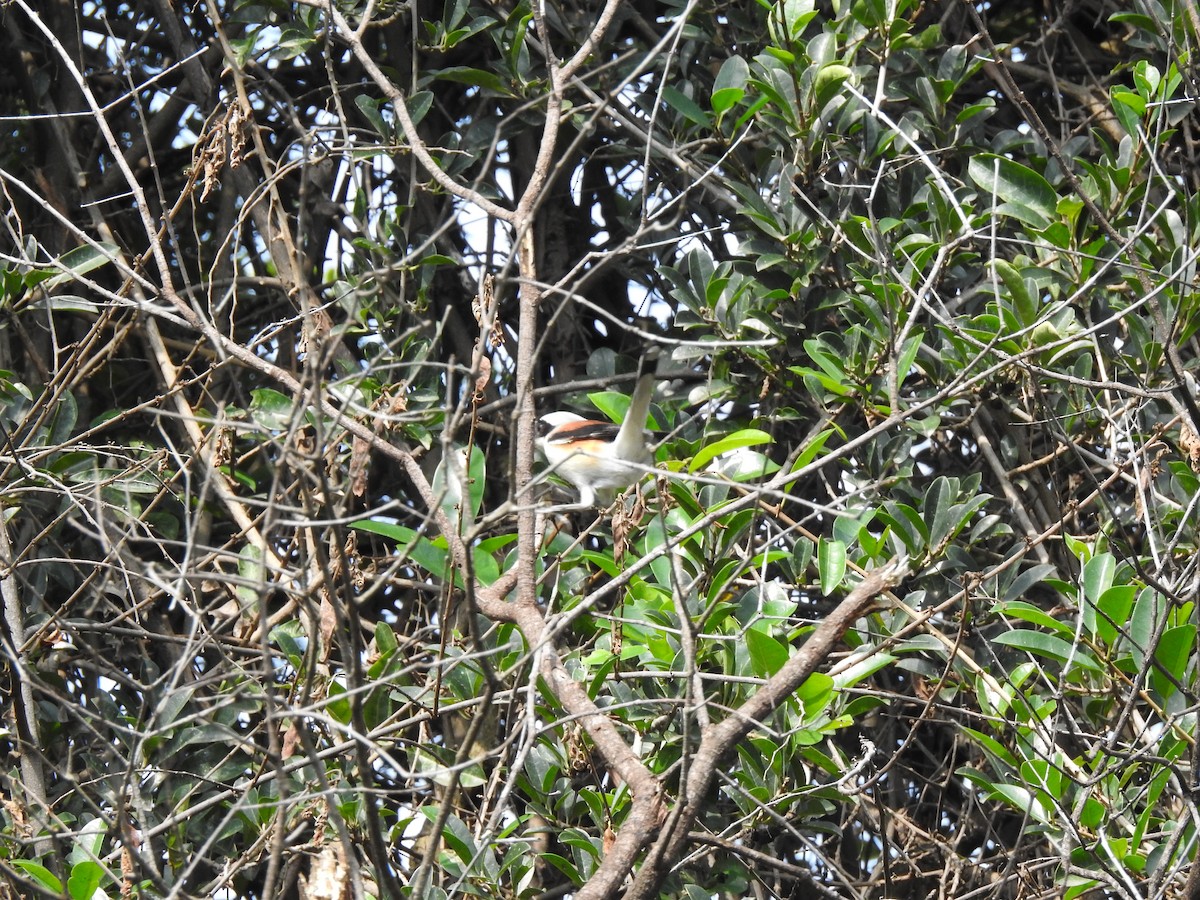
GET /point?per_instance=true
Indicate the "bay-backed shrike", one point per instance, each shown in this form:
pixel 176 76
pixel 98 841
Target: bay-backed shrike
pixel 595 455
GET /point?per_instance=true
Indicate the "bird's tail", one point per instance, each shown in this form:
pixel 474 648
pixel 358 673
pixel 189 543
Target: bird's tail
pixel 631 441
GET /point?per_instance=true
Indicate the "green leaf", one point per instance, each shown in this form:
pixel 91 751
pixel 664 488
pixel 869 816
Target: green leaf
pixel 907 525
pixel 338 703
pixel 936 507
pixel 864 668
pixel 369 107
pixel 614 405
pixel 747 437
pixel 802 554
pixel 82 260
pixel 1171 657
pixel 831 564
pixel 811 449
pixel 686 107
pixel 1081 550
pixel 908 354
pixel 796 16
pixel 89 841
pixel 1147 77
pixel 1048 647
pixel 40 873
pixel 998 751
pixel 1098 575
pixel 385 638
pixel 143 483
pixel 480 78
pixel 1078 886
pixel 1149 607
pixel 828 83
pixel 1021 798
pixel 837 386
pixel 1027 612
pixel 827 358
pixel 1129 108
pixel 1140 21
pixel 1024 303
pixel 1024 194
pixel 414 545
pixel 815 693
pixel 1046 776
pixel 730 84
pixel 66 303
pixel 1112 612
pixel 767 655
pixel 85 880
pixel 563 865
pixel 418 105
pixel 456 36
pixel 286 638
pixel 516 52
pixel 252 575
pixel 271 409
pixel 458 483
pixel 456 834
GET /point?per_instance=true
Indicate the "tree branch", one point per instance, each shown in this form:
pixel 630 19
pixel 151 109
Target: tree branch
pixel 720 738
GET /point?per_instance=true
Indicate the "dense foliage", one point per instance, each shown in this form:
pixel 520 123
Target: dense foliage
pixel 909 609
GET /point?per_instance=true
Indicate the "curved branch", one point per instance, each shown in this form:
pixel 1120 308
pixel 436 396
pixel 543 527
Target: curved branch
pixel 720 738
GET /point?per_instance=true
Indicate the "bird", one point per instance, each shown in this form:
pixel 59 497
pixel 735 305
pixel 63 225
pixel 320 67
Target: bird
pixel 596 456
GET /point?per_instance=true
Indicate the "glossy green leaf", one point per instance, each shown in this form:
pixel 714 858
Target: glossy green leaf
pixel 1021 798
pixel 908 355
pixel 85 880
pixel 730 84
pixel 370 107
pixel 1098 575
pixel 685 106
pixel 796 15
pixel 413 544
pixel 998 751
pixel 480 78
pixel 828 83
pixel 614 404
pixel 1047 779
pixel 1048 647
pixel 747 437
pixel 385 638
pixel 1024 194
pixel 861 670
pixel 831 564
pixel 767 655
pixel 271 409
pixel 811 449
pixel 1112 612
pixel 1027 612
pixel 1024 302
pixel 1129 109
pixel 906 524
pixel 338 703
pixel 39 873
pixel 418 104
pixel 66 303
pixel 563 865
pixel 802 554
pixel 80 261
pixel 1149 609
pixel 1174 652
pixel 458 482
pixel 816 692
